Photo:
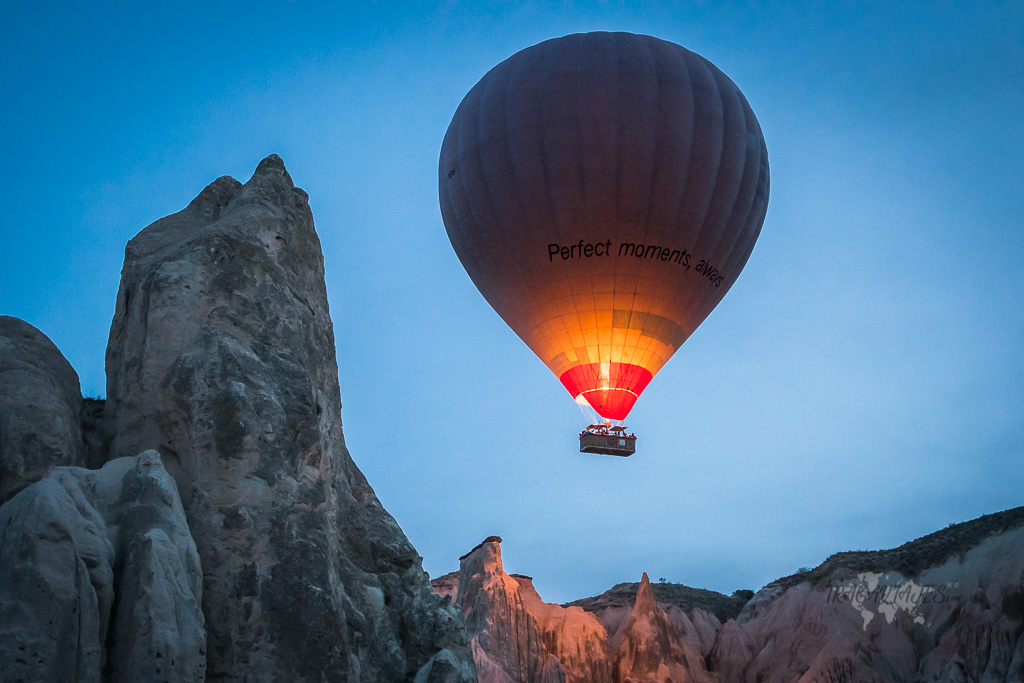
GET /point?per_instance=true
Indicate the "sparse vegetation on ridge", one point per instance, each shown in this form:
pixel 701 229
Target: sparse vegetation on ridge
pixel 724 607
pixel 913 557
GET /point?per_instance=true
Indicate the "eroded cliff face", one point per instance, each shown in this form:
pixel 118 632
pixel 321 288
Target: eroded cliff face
pixel 947 607
pixel 518 637
pixel 941 608
pixel 507 643
pixel 648 646
pixel 576 638
pixel 221 357
pixel 260 553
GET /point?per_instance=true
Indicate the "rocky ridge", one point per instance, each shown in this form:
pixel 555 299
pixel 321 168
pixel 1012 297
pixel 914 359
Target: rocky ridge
pixel 517 636
pixel 947 607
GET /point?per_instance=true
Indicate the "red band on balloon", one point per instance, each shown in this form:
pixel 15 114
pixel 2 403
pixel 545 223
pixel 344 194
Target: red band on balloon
pixel 610 388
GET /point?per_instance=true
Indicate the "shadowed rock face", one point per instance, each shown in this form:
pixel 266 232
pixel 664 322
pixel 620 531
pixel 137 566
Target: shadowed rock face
pixel 40 401
pixel 99 578
pixel 221 356
pixel 92 432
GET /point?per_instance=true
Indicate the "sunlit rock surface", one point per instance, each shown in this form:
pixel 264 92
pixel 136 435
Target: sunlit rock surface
pixel 518 637
pixel 694 617
pixel 576 638
pixel 222 358
pixel 99 578
pixel 506 636
pixel 40 402
pixel 648 647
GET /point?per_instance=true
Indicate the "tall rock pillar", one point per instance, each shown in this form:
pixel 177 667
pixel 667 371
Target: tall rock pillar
pixel 221 356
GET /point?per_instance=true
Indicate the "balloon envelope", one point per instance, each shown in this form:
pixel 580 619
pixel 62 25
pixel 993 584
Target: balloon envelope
pixel 603 192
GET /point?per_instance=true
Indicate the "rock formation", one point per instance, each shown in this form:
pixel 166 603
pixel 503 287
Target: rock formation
pixel 577 639
pixel 517 636
pixel 93 433
pixel 98 573
pixel 695 615
pixel 223 532
pixel 221 360
pixel 647 647
pixel 948 607
pixel 221 357
pixel 506 637
pixel 40 401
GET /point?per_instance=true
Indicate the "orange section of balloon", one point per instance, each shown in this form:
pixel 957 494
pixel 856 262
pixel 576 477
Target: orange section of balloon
pixel 603 192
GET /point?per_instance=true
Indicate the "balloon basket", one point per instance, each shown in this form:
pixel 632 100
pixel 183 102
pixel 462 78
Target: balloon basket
pixel 607 441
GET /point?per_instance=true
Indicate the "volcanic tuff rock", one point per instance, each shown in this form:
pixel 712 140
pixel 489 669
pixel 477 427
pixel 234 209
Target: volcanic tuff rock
pixel 221 357
pixel 506 637
pixel 40 402
pixel 948 607
pixel 93 433
pixel 576 638
pixel 97 570
pixel 695 614
pixel 518 637
pixel 648 647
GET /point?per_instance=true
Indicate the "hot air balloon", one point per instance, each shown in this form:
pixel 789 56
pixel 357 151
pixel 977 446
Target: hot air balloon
pixel 603 192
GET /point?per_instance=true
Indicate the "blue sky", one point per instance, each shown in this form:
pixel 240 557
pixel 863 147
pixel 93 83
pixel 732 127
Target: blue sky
pixel 861 385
